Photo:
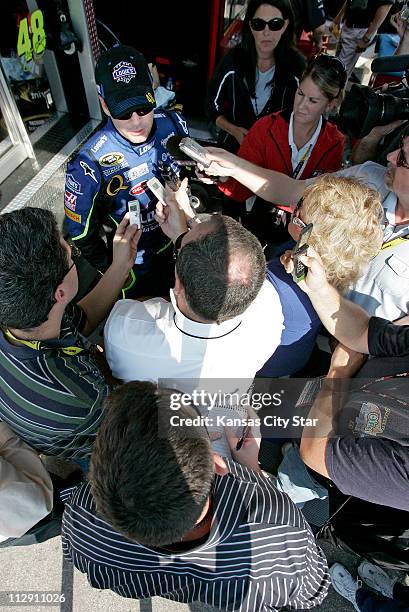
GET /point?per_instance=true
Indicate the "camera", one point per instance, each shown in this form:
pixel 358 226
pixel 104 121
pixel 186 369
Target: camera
pixel 364 108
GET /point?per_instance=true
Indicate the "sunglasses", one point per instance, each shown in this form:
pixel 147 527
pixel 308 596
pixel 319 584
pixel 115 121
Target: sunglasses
pixel 294 216
pixel 333 63
pixel 141 112
pixel 258 25
pixel 401 159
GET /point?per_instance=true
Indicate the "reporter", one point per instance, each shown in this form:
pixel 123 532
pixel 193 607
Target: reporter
pixel 384 288
pixel 173 511
pixel 44 331
pixel 345 248
pixel 300 143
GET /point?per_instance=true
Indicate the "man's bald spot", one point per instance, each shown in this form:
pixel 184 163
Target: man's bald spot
pixel 238 264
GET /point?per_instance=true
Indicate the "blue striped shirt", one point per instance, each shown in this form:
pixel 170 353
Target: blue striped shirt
pixel 50 399
pixel 260 553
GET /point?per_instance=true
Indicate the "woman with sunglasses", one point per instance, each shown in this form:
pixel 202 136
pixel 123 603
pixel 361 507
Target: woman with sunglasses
pixel 300 143
pixel 257 77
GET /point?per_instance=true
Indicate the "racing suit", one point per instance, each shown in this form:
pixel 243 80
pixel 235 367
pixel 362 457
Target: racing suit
pixel 107 173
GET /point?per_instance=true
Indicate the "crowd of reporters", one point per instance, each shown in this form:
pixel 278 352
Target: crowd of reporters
pixel 154 509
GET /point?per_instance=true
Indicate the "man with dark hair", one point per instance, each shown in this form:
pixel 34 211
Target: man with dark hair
pixel 168 517
pixel 143 412
pixel 112 168
pixel 221 307
pixel 51 389
pixel 221 270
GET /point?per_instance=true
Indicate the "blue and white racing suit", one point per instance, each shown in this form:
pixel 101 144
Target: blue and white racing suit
pixel 107 173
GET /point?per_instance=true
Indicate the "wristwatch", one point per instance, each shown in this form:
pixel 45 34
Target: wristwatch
pixel 178 244
pixel 192 221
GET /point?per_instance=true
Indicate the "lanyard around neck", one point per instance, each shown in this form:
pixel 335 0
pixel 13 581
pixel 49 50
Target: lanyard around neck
pixel 299 166
pixel 64 345
pixel 394 242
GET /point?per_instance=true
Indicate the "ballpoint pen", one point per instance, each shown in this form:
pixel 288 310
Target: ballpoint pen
pixel 243 437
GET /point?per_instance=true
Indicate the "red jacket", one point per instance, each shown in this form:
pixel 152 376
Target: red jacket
pixel 266 145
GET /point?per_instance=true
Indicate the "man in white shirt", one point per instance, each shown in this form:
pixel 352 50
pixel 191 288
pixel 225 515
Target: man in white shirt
pixel 224 319
pixel 384 289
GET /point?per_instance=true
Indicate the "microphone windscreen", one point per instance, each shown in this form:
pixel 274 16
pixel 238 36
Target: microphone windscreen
pixel 390 63
pixel 172 146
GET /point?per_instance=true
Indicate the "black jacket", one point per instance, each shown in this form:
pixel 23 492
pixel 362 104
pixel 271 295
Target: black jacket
pixel 228 93
pixel 308 15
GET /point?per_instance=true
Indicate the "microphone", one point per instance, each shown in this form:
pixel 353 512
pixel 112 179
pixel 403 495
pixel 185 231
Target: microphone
pixel 390 63
pixel 180 147
pixel 172 146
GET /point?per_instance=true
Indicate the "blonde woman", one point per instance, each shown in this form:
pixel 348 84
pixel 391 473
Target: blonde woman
pixel 347 234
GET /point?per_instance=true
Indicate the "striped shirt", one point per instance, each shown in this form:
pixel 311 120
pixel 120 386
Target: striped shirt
pixel 52 400
pixel 260 553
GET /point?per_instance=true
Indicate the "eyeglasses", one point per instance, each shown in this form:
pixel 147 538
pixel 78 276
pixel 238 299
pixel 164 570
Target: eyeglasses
pixel 401 159
pixel 332 62
pixel 141 112
pixel 258 25
pixel 294 215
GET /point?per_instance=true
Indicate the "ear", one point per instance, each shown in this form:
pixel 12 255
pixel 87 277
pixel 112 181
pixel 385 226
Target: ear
pixel 178 288
pixel 331 105
pixel 104 106
pixel 60 295
pixel 220 466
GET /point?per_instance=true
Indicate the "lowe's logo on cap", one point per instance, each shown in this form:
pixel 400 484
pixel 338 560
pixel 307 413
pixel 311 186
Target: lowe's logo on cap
pixel 124 71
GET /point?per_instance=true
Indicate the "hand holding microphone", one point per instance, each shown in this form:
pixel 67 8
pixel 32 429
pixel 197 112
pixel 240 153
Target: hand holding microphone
pixel 180 147
pixel 188 152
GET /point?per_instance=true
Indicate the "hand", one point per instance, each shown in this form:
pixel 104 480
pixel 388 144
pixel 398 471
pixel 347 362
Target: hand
pixel 315 279
pixel 399 24
pixel 172 218
pixel 201 176
pixel 182 198
pixel 239 133
pixel 345 362
pixel 380 131
pixel 335 29
pixel 249 452
pixel 363 44
pixel 125 245
pixel 223 163
pixel 317 35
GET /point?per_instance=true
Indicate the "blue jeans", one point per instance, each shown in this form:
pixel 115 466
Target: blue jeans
pixel 294 479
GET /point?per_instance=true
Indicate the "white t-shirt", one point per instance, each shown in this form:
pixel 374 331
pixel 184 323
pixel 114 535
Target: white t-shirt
pixel 299 157
pixel 153 340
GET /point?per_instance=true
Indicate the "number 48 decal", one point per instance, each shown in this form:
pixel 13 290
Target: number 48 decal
pixel 37 42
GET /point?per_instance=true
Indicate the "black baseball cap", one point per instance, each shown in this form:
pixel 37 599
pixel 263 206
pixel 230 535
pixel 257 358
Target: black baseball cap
pixel 124 80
